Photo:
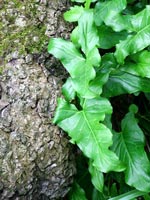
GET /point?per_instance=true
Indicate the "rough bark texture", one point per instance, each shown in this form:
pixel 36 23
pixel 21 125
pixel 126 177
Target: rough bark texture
pixel 36 159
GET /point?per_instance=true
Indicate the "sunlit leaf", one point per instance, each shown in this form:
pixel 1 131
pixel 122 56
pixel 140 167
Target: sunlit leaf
pixel 92 137
pixel 109 13
pixel 97 177
pixel 68 90
pixel 120 82
pixel 88 36
pixel 128 195
pixel 80 70
pixel 129 146
pixel 139 40
pixel 93 57
pixel 73 14
pixel 139 64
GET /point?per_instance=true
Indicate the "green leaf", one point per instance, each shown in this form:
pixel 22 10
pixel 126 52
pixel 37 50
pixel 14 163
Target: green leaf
pixel 139 64
pixel 128 195
pixel 109 38
pixel 82 73
pixel 73 14
pixel 107 64
pixel 76 193
pixel 68 90
pixel 75 37
pixel 97 177
pixel 109 13
pixel 79 1
pixel 139 40
pixel 82 1
pixel 88 36
pixel 92 137
pixel 120 82
pixel 133 44
pixel 141 19
pixel 80 70
pixel 93 57
pixel 129 146
pixel 65 51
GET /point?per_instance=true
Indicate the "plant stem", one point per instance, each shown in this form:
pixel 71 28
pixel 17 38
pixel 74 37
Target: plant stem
pixel 87 4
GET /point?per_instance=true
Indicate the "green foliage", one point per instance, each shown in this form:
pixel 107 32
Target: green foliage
pixel 107 56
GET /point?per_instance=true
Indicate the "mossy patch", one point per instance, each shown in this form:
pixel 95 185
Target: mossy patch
pixel 29 38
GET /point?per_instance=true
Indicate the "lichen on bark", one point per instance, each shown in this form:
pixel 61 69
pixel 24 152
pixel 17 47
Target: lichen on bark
pixel 36 159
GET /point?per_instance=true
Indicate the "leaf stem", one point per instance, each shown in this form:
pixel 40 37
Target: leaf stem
pixel 87 4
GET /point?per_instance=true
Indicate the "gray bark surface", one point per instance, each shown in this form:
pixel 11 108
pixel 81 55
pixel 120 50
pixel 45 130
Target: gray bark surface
pixel 36 159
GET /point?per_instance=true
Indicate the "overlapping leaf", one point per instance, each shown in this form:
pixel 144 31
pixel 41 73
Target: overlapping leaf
pixel 88 35
pixel 108 63
pixel 73 14
pixel 120 82
pixel 109 38
pixel 109 12
pixel 139 64
pixel 80 70
pixel 139 40
pixel 92 137
pixel 129 146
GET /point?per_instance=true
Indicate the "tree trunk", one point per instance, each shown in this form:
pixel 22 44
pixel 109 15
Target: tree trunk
pixel 36 159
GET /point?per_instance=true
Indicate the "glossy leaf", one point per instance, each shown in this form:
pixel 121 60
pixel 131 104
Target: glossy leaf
pixel 75 37
pixel 139 64
pixel 109 13
pixel 82 1
pixel 79 1
pixel 80 70
pixel 68 90
pixel 141 19
pixel 107 64
pixel 92 137
pixel 97 177
pixel 73 14
pixel 128 195
pixel 120 82
pixel 76 193
pixel 129 146
pixel 88 36
pixel 109 38
pixel 133 44
pixel 93 57
pixel 139 40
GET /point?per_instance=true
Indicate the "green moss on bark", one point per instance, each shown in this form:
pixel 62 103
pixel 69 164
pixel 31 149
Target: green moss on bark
pixel 20 28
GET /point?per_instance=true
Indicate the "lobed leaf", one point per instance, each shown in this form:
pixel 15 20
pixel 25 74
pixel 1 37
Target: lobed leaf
pixel 92 137
pixel 139 64
pixel 109 38
pixel 88 35
pixel 140 20
pixel 120 82
pixel 68 90
pixel 109 13
pixel 73 14
pixel 133 44
pixel 129 146
pixel 81 71
pixel 97 177
pixel 140 24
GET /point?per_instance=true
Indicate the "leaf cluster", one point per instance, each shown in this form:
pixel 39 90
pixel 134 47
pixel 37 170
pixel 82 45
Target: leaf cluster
pixel 107 56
